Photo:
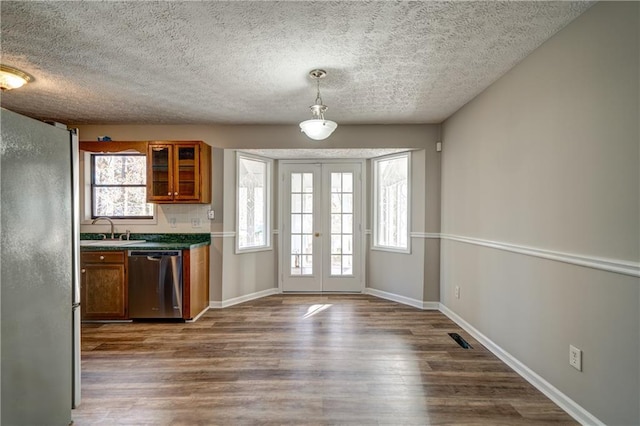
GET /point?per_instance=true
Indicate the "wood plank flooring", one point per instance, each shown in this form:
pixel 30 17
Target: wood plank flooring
pixel 301 359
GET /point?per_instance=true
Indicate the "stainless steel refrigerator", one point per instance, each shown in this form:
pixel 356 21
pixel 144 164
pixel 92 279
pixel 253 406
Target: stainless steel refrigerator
pixel 39 265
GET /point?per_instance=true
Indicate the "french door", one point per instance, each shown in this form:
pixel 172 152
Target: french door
pixel 321 227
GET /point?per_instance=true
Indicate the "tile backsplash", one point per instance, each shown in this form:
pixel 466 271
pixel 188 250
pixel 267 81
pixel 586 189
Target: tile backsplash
pixel 170 218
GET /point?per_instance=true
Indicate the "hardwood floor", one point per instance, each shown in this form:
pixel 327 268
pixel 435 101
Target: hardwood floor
pixel 301 359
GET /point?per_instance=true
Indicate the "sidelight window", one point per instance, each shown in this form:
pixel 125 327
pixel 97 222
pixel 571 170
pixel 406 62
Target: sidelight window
pixel 391 202
pixel 253 201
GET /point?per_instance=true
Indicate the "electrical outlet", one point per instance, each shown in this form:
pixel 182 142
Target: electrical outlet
pixel 575 357
pixel 195 222
pixel 172 222
pixel 211 214
pixel 457 292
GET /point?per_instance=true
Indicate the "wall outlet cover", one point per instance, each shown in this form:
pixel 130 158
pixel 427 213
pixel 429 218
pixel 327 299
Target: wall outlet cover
pixel 195 222
pixel 575 357
pixel 457 292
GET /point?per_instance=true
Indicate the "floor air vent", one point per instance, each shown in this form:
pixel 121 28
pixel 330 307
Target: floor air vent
pixel 459 340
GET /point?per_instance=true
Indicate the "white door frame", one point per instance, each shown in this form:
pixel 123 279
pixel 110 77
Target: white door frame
pixel 363 210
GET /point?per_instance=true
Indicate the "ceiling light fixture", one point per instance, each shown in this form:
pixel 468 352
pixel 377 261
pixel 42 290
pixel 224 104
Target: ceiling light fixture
pixel 12 78
pixel 318 128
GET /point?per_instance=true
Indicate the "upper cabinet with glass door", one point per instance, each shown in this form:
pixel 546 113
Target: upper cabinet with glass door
pixel 178 172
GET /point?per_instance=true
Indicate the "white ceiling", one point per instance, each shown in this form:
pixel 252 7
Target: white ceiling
pixel 177 62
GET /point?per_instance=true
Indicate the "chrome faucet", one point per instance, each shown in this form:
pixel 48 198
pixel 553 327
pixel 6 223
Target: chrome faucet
pixel 108 220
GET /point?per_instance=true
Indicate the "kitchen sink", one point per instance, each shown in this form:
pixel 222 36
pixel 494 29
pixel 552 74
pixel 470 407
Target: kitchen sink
pixel 110 243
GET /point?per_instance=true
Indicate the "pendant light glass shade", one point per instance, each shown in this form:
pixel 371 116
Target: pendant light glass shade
pixel 318 128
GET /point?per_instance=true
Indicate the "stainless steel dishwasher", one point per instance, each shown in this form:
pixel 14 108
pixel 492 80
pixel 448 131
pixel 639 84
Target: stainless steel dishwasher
pixel 155 284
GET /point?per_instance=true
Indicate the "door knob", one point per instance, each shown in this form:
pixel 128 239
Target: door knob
pixel 317 234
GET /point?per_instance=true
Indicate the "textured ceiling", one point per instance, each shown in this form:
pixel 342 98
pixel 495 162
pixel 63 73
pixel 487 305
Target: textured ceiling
pixel 248 62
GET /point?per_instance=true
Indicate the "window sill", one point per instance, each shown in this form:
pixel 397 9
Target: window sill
pixel 391 249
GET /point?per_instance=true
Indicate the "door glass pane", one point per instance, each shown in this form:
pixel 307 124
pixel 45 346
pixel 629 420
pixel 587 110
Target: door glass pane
pixel 335 224
pixel 347 244
pixel 336 182
pixel 336 265
pixel 307 203
pixel 186 171
pixel 301 221
pixel 347 223
pixel 341 223
pixel 296 203
pixel 347 182
pixel 336 203
pixel 307 244
pixel 347 267
pixel 307 223
pixel 336 244
pixel 296 182
pixel 347 203
pixel 160 171
pixel 307 182
pixel 296 268
pixel 296 224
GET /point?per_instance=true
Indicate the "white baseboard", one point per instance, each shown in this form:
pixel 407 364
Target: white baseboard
pixel 562 400
pixel 242 299
pixel 430 306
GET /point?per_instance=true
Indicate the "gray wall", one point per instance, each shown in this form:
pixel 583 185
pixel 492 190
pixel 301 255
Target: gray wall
pixel 417 275
pixel 234 275
pixel 548 157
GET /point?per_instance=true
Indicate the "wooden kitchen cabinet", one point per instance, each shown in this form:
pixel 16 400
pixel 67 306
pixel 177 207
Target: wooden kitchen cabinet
pixel 178 172
pixel 103 285
pixel 195 280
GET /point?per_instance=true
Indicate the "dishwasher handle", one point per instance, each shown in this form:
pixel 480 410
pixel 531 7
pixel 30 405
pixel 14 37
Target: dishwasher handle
pixel 155 254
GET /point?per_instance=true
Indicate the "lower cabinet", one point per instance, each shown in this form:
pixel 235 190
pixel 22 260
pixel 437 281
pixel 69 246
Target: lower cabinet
pixel 104 290
pixel 103 285
pixel 195 280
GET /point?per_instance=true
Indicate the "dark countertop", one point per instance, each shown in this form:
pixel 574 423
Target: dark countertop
pixel 152 242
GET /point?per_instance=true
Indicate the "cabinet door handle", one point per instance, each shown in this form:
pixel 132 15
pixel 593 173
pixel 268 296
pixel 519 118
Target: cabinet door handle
pixel 175 193
pixel 101 257
pixel 168 193
pixel 83 270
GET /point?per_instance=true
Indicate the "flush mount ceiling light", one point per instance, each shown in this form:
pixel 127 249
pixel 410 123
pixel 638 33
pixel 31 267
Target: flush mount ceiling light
pixel 318 128
pixel 12 78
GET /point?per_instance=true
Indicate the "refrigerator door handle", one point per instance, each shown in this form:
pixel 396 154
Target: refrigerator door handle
pixel 75 198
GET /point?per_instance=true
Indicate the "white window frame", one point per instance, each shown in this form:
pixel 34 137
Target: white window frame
pixel 374 169
pixel 267 202
pixel 86 191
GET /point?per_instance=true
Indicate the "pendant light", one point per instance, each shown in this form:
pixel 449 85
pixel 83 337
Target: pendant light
pixel 12 78
pixel 318 128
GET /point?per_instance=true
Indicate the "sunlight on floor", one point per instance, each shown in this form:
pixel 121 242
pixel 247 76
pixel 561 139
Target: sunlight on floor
pixel 315 309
